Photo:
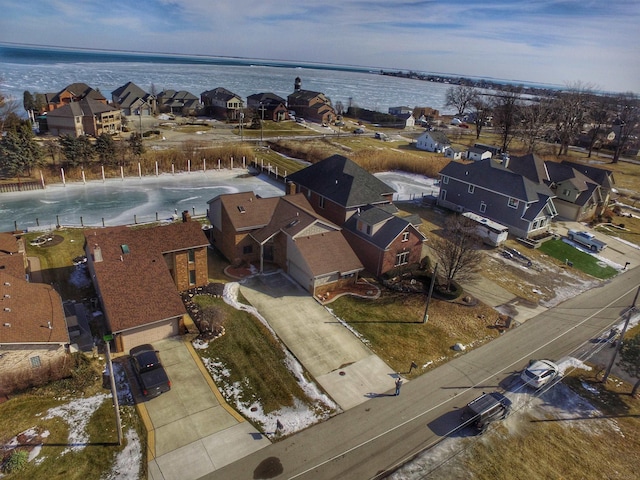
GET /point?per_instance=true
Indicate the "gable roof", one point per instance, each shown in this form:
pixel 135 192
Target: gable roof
pixel 305 96
pixel 135 283
pixel 128 94
pixel 293 215
pixel 84 108
pixel 30 313
pixel 220 93
pixel 392 226
pixel 79 91
pixel 438 137
pixel 12 259
pixel 266 98
pixel 601 176
pixel 245 210
pixel 493 176
pixel 530 166
pixel 342 181
pixel 328 252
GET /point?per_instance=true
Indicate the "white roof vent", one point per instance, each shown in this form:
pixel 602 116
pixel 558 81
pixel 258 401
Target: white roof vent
pixel 7 309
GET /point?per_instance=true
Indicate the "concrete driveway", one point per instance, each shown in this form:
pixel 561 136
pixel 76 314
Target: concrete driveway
pixel 337 359
pixel 191 430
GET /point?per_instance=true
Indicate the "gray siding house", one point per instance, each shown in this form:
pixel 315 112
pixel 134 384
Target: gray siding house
pixel 492 190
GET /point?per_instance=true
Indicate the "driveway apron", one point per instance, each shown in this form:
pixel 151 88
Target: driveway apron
pixel 338 360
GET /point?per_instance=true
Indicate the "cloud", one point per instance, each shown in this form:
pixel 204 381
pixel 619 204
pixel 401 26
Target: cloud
pixel 545 40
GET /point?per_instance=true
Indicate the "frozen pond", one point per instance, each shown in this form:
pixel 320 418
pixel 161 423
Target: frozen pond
pixel 139 200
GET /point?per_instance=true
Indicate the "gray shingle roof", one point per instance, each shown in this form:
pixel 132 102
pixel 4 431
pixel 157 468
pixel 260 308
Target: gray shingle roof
pixel 342 181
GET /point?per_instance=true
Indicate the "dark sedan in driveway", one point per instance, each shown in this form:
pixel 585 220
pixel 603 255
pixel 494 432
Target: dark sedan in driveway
pixel 149 371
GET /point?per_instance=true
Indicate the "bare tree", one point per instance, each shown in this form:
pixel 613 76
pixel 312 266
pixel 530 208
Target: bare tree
pixel 598 114
pixel 630 360
pixel 535 116
pixel 460 97
pixel 9 108
pixel 570 113
pixel 506 105
pixel 627 121
pixel 481 113
pixel 459 257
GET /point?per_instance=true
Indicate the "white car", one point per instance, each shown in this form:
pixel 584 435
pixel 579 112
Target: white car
pixel 539 373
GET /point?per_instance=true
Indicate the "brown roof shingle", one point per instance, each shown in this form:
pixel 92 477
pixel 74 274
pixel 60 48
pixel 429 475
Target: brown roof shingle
pixel 30 312
pixel 133 278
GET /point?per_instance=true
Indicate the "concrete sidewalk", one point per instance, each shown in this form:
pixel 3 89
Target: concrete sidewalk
pixel 348 371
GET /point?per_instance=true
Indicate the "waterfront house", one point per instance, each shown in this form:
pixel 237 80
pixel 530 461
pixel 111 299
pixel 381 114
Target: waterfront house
pixel 433 142
pixel 133 100
pixel 138 274
pixel 268 106
pixel 222 103
pixel 85 117
pixel 178 102
pixel 310 105
pixel 70 94
pixel 383 240
pixel 337 188
pixel 283 231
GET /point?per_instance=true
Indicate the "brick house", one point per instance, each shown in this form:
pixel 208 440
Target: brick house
pixel 33 332
pixel 383 240
pixel 349 196
pixel 310 105
pixel 284 231
pixel 139 273
pixel 85 117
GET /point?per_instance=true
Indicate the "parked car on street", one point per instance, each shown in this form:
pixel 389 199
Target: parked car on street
pixel 586 239
pixel 484 410
pixel 149 371
pixel 539 373
pixel 358 131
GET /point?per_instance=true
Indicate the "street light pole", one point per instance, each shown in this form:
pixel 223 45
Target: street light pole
pixel 433 281
pixel 631 310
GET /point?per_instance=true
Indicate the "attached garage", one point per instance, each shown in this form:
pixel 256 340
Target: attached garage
pixel 148 334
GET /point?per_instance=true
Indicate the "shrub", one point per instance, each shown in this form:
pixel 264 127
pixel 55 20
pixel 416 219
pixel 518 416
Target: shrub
pixel 16 462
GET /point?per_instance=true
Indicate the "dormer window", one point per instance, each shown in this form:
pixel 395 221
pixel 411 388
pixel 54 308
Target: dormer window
pixel 513 202
pixel 241 209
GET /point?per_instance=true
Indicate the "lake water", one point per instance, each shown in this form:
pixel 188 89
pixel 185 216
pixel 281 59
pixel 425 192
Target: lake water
pixel 131 200
pixel 42 71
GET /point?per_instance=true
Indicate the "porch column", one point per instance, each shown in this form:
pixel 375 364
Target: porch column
pixel 261 258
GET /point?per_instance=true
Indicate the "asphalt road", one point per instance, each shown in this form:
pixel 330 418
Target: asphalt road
pixel 372 439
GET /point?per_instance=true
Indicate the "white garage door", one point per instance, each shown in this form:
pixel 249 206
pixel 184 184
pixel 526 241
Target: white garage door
pixel 300 276
pixel 149 334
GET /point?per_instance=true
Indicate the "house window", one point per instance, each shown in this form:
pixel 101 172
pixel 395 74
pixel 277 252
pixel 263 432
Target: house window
pixel 566 192
pixel 513 202
pixel 192 256
pixel 443 195
pixel 405 236
pixel 483 207
pixel 35 362
pixel 368 229
pixel 471 188
pixel 402 258
pixel 247 249
pixel 192 277
pixel 321 202
pixel 445 180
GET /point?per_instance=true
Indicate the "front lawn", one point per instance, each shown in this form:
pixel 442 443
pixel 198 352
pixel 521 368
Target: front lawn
pixel 392 327
pixel 582 261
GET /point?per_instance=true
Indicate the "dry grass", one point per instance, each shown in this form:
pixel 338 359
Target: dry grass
pixel 394 330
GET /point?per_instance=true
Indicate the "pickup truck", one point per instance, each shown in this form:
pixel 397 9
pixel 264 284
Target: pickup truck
pixel 149 371
pixel 586 239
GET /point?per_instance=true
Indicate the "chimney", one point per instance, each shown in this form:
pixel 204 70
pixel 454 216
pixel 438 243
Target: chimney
pixel 291 188
pixel 186 217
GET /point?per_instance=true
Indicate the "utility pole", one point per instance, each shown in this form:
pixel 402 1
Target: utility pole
pixel 114 392
pixel 262 109
pixel 632 309
pixel 433 281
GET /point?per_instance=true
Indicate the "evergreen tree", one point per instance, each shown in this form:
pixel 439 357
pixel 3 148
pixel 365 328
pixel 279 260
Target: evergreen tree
pixel 19 152
pixel 105 148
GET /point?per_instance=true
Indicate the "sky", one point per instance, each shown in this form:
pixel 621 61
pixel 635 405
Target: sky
pixel 559 42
